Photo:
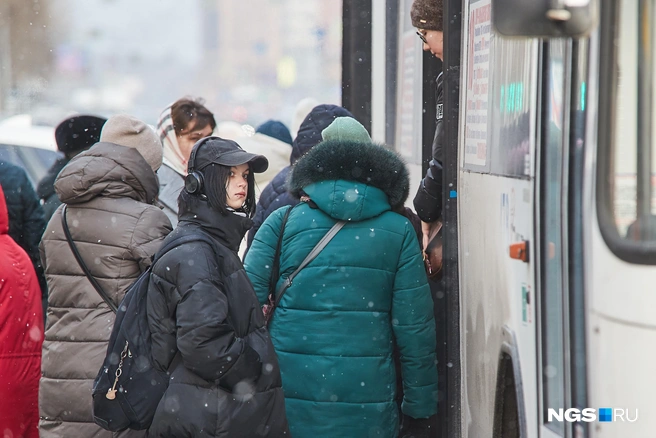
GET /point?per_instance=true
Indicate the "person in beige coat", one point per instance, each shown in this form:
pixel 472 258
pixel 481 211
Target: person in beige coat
pixel 109 191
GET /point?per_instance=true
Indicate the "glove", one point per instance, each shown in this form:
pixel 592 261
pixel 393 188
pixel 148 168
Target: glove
pixel 417 427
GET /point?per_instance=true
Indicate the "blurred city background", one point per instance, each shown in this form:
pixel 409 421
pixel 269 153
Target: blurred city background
pixel 251 60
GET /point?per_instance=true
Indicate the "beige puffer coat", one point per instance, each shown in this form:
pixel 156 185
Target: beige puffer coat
pixel 109 191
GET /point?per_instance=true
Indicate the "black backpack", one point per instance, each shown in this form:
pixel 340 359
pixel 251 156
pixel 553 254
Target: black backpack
pixel 128 387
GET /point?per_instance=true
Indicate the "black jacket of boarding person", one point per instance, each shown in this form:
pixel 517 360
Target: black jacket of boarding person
pixel 208 329
pixel 428 200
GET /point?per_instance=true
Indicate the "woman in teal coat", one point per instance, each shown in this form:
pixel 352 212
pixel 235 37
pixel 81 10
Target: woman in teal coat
pixel 335 328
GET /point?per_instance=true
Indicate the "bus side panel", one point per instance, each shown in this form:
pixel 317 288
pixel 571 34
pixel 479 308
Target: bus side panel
pixel 621 338
pixel 496 291
pixel 496 209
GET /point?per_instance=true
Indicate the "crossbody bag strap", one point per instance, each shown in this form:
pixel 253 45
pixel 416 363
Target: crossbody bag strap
pixel 275 270
pixel 78 257
pixel 311 256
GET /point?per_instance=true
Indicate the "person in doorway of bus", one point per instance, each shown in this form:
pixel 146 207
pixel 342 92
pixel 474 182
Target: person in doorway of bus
pixel 426 16
pixel 74 135
pixel 335 328
pixel 109 192
pixel 21 335
pixel 180 126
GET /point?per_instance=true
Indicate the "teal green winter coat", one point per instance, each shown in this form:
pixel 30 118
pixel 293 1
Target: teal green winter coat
pixel 335 328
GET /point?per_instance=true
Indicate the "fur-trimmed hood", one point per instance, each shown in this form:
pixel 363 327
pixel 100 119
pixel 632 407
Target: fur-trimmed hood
pixel 366 163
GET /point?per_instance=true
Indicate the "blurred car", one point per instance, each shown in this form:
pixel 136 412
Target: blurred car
pixel 29 146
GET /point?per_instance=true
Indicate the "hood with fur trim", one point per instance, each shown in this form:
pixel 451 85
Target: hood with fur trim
pixel 366 163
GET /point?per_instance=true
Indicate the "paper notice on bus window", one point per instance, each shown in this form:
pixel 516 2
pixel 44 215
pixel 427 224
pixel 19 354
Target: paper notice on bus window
pixel 478 68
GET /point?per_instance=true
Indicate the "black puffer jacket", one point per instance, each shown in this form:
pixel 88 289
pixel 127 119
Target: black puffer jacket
pixel 45 190
pixel 201 304
pixel 26 220
pixel 428 200
pixel 275 195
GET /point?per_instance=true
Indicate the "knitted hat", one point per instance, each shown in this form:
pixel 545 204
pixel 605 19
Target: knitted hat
pixel 78 133
pixel 275 129
pixel 346 129
pixel 130 132
pixel 427 15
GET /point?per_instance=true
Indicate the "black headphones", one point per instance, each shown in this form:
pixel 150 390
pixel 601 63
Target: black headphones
pixel 194 179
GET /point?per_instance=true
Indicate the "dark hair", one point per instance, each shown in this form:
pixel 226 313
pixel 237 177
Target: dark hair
pixel 215 182
pixel 188 114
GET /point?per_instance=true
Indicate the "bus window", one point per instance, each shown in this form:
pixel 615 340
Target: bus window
pixel 512 89
pixel 626 189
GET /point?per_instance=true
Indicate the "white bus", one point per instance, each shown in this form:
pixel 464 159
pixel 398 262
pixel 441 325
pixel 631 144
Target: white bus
pixel 547 316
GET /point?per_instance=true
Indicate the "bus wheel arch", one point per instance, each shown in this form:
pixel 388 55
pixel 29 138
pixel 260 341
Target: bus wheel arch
pixel 509 407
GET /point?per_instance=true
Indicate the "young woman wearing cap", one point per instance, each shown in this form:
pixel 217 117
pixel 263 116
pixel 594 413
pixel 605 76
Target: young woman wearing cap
pixel 206 323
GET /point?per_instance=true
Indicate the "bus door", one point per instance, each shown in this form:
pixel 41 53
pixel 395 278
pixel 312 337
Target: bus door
pixel 552 232
pixel 561 334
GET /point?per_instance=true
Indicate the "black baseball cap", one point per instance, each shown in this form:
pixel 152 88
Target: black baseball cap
pixel 226 152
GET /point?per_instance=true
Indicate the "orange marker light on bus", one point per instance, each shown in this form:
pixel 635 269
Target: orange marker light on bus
pixel 519 251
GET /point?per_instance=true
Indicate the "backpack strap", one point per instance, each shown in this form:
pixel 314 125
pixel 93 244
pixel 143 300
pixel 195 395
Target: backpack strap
pixel 181 241
pixel 84 267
